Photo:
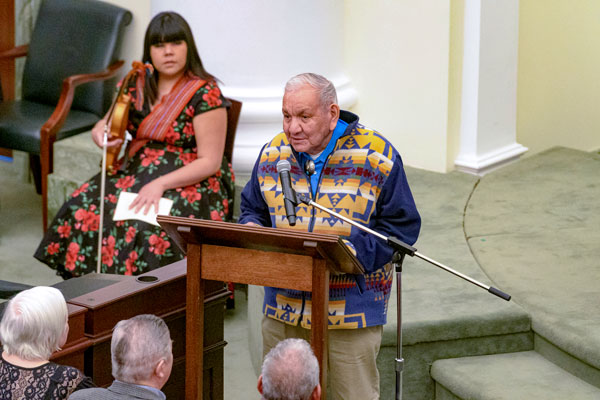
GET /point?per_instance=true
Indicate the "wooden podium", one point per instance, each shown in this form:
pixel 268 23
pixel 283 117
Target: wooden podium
pixel 254 255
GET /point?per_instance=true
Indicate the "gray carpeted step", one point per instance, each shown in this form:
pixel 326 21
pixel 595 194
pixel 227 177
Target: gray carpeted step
pixel 515 376
pixel 533 227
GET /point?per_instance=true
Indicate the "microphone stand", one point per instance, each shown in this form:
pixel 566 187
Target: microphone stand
pixel 401 250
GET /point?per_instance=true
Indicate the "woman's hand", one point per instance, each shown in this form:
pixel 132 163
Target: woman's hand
pixel 98 135
pixel 148 196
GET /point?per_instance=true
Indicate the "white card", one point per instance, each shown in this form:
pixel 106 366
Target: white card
pixel 122 212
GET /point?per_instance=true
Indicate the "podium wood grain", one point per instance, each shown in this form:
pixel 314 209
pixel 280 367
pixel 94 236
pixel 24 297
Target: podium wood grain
pixel 258 256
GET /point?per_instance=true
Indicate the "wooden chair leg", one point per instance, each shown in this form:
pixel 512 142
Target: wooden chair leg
pixel 45 161
pixel 36 170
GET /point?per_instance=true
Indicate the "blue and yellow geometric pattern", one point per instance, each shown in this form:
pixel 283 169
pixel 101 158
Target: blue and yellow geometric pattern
pixel 350 185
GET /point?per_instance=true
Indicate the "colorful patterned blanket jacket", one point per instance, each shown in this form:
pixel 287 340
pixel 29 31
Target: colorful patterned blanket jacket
pixel 364 180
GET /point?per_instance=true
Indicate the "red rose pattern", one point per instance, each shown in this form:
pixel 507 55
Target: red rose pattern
pixel 172 137
pixel 191 194
pixel 53 248
pixel 87 221
pixel 213 97
pixel 189 111
pixel 151 156
pixel 125 182
pixel 73 239
pixel 158 245
pixel 215 215
pixel 108 250
pixel 130 234
pixel 214 184
pixel 225 206
pixel 83 188
pixel 188 129
pixel 130 267
pixel 188 157
pixel 64 231
pixel 71 256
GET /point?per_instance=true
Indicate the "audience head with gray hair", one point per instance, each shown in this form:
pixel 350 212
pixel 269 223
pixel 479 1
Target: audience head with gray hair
pixel 141 351
pixel 290 371
pixel 34 324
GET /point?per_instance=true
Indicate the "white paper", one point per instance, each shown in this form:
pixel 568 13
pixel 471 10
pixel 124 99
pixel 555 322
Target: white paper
pixel 122 212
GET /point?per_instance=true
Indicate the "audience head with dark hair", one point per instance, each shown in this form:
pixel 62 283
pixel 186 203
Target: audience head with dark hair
pixel 34 325
pixel 290 371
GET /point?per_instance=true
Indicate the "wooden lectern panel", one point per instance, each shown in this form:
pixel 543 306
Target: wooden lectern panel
pixel 96 302
pixel 259 256
pixel 331 248
pixel 127 296
pixel 73 351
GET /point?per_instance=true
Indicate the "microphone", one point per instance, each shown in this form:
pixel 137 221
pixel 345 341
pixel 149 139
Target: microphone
pixel 289 195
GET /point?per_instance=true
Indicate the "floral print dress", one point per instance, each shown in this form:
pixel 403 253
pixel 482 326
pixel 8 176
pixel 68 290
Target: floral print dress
pixel 132 247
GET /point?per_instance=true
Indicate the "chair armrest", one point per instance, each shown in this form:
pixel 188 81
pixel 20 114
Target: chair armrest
pixel 57 119
pixel 15 52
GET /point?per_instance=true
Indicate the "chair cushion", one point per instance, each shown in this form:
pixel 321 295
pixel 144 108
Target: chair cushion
pixel 21 121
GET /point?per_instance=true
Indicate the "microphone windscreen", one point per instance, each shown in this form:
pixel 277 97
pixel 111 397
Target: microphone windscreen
pixel 283 165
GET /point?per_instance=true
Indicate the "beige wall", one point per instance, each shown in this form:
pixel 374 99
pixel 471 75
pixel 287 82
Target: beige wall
pixel 132 46
pixel 457 12
pixel 405 60
pixel 559 74
pixel 397 57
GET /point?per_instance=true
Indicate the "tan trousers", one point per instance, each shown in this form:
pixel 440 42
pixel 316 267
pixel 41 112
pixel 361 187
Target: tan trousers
pixel 352 371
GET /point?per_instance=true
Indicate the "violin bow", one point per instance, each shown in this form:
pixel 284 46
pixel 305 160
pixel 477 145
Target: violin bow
pixel 103 179
pixel 102 190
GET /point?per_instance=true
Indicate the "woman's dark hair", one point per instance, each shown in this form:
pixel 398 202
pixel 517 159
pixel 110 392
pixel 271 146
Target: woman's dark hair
pixel 170 27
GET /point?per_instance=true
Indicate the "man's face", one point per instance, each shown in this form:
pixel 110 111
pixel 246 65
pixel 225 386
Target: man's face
pixel 306 123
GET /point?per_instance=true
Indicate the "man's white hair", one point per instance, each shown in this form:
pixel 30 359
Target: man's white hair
pixel 290 371
pixel 137 345
pixel 322 85
pixel 34 323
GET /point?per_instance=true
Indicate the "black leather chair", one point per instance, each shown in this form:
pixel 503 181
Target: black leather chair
pixel 68 80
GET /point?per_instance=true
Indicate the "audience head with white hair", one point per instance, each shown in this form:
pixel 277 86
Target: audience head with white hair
pixel 141 351
pixel 35 324
pixel 290 371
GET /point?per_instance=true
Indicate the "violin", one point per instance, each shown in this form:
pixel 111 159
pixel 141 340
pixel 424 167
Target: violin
pixel 119 112
pixel 118 126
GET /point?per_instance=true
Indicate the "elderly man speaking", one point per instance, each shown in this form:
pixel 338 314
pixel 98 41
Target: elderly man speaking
pixel 356 172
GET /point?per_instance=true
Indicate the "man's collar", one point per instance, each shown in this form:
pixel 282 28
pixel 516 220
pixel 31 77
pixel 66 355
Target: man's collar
pixel 125 388
pixel 348 117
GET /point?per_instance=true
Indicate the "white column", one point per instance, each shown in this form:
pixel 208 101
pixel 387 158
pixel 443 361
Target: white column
pixel 254 47
pixel 489 86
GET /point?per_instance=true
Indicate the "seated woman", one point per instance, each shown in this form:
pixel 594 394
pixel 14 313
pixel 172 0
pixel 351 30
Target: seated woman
pixel 178 121
pixel 35 324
